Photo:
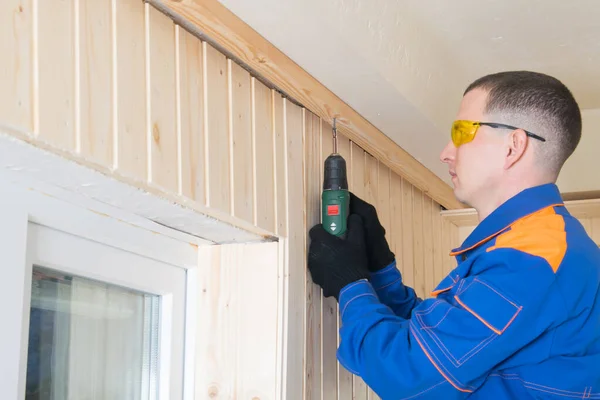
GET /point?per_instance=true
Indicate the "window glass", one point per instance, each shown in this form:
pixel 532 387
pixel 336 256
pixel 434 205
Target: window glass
pixel 90 340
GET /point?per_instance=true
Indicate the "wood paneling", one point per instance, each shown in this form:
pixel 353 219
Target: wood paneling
pixel 213 19
pixel 131 155
pixel 163 141
pixel 58 72
pixel 297 274
pixel 235 354
pixel 243 148
pixel 312 151
pixel 96 57
pixel 265 149
pixel 17 73
pixel 191 116
pixel 218 129
pixel 142 99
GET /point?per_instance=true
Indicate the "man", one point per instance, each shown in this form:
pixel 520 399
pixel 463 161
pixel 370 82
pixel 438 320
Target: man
pixel 519 317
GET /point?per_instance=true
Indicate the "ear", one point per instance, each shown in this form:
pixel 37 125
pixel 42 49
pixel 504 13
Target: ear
pixel 516 145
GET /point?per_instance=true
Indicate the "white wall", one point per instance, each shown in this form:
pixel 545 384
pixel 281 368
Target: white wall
pixel 579 172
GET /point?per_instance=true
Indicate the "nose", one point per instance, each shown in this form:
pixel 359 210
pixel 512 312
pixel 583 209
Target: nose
pixel 449 153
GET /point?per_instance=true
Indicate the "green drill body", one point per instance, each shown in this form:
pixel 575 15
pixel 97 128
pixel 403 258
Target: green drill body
pixel 335 211
pixel 335 199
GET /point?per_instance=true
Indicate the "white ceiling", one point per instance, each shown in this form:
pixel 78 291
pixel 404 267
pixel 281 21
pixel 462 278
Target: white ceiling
pixel 404 64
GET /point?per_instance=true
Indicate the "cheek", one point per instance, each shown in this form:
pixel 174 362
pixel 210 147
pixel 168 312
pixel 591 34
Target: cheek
pixel 475 167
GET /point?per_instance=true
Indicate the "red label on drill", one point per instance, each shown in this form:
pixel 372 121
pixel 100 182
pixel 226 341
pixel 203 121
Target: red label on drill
pixel 333 210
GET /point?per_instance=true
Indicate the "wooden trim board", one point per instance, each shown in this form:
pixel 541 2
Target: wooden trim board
pixel 578 208
pixel 60 176
pixel 214 23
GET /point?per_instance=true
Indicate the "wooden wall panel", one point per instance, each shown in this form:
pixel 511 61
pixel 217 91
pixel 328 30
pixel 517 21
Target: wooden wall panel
pixel 297 275
pixel 217 129
pixel 395 228
pixel 428 239
pixel 417 238
pixel 96 57
pixel 237 322
pixel 163 141
pixel 191 116
pixel 16 74
pixel 264 156
pixel 407 246
pixel 58 72
pixel 131 155
pixel 312 151
pixel 241 136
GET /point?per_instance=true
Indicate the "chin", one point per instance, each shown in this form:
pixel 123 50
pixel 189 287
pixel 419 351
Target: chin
pixel 460 196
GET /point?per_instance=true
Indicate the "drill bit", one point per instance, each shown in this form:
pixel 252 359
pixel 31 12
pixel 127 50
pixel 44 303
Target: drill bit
pixel 334 138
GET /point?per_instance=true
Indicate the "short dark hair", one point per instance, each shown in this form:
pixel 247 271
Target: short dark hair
pixel 540 99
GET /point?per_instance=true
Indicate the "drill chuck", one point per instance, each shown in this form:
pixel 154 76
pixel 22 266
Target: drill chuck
pixel 335 173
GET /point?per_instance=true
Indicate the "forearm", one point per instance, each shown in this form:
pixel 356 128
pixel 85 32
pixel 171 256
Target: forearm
pixel 392 292
pixel 378 345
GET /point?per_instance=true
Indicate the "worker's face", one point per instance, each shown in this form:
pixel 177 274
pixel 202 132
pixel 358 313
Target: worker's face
pixel 476 167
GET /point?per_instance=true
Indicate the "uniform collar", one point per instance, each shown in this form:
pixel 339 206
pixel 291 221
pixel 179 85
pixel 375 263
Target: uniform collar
pixel 524 203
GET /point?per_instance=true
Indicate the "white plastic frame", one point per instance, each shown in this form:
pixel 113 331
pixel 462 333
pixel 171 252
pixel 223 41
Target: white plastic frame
pixel 36 228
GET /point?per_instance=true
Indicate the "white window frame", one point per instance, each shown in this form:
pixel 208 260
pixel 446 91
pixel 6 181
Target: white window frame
pixel 26 212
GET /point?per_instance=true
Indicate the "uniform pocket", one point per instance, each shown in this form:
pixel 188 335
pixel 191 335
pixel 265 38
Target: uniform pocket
pixel 493 309
pixel 461 329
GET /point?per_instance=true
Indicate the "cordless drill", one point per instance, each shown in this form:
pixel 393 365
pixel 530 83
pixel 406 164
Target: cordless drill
pixel 335 197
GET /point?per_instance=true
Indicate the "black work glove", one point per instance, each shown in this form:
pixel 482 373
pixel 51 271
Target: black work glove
pixel 378 250
pixel 334 262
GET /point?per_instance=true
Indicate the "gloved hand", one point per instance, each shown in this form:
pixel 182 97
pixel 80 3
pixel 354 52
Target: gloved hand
pixel 334 262
pixel 378 250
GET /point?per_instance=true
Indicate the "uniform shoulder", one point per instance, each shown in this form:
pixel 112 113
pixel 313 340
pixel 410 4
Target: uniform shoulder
pixel 540 234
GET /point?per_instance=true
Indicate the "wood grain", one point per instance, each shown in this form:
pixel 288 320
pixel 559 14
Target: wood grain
pixel 264 165
pixel 439 252
pixel 162 92
pixel 131 89
pixel 17 73
pixel 396 223
pixel 57 68
pixel 281 164
pixel 408 217
pixel 241 135
pixel 312 151
pixel 297 256
pixel 96 81
pixel 428 243
pixel 191 116
pixel 417 239
pixel 217 129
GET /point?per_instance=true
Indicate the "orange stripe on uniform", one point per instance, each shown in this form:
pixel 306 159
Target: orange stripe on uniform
pixel 541 234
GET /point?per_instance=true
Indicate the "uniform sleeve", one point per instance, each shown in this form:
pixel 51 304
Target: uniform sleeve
pixel 452 342
pixel 392 292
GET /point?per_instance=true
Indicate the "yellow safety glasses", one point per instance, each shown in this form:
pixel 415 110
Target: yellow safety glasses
pixel 464 131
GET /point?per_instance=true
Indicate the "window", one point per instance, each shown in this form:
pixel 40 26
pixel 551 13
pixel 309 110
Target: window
pixel 92 309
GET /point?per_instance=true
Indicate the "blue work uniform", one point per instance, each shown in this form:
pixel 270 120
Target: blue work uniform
pixel 518 318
